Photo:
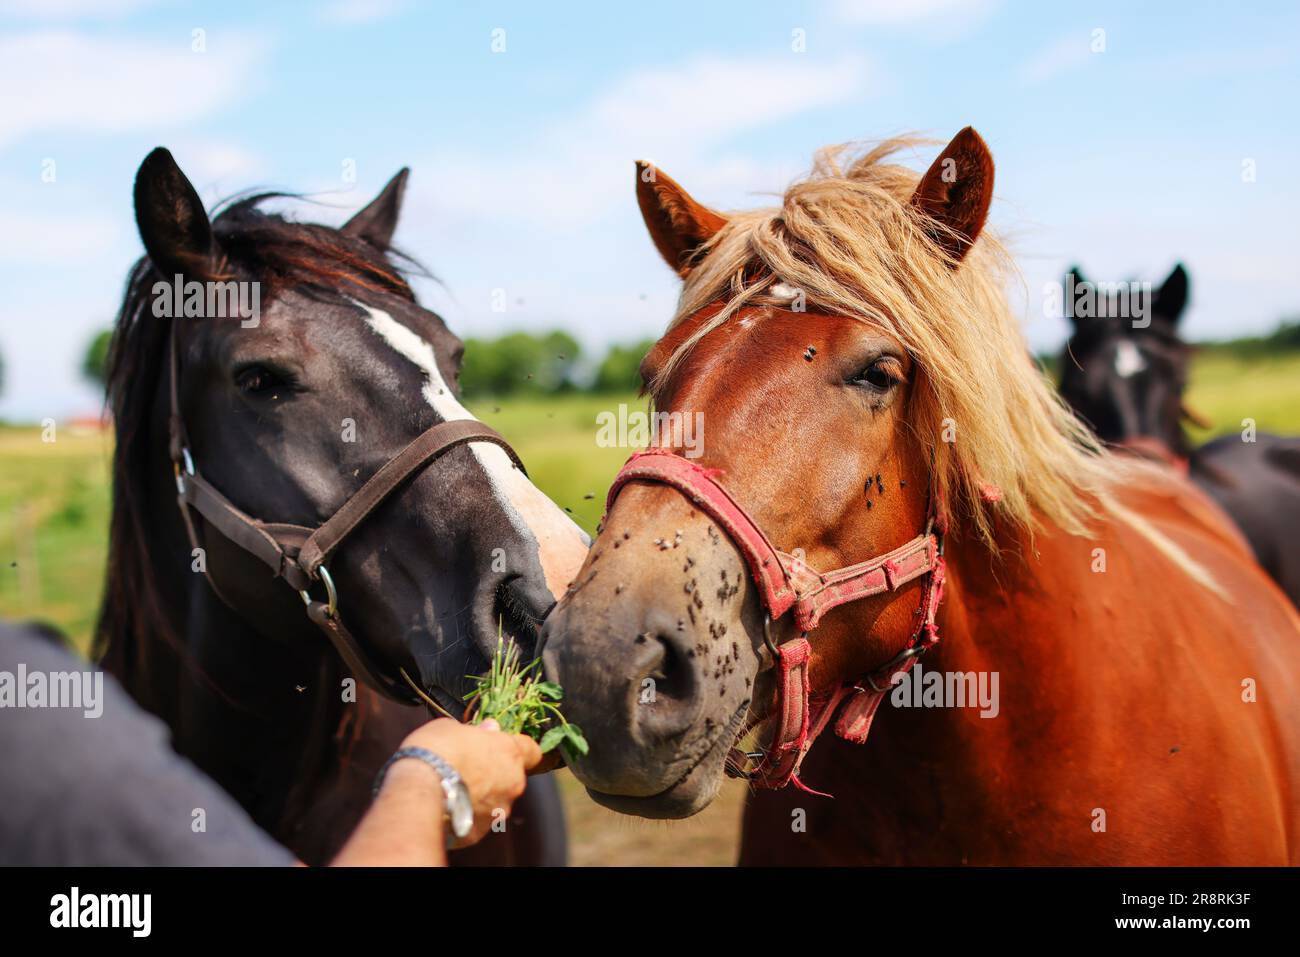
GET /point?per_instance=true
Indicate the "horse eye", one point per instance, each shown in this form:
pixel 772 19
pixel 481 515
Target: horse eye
pixel 881 375
pixel 258 380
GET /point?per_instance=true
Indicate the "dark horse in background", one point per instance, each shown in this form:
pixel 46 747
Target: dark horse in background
pixel 288 417
pixel 1127 379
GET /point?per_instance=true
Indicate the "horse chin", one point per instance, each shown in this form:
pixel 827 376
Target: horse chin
pixel 691 794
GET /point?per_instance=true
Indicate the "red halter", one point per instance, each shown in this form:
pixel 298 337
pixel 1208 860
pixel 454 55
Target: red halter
pixel 786 583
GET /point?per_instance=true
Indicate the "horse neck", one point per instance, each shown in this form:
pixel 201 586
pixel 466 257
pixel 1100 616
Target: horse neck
pixel 1000 621
pixel 255 714
pixel 260 717
pixel 1006 603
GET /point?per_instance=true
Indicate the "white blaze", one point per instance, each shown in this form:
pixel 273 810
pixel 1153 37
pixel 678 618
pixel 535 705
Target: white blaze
pixel 1128 360
pixel 562 544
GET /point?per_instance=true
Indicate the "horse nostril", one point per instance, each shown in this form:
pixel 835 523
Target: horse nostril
pixel 667 693
pixel 665 672
pixel 515 617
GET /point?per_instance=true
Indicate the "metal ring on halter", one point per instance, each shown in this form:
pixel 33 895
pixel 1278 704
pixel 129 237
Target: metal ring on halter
pixel 189 470
pixel 898 659
pixel 767 639
pixel 331 596
pixel 744 773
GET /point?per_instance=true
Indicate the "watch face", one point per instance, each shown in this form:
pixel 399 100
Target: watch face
pixel 460 810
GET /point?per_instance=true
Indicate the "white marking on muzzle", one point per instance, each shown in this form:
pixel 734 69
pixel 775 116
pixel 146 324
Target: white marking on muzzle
pixel 562 544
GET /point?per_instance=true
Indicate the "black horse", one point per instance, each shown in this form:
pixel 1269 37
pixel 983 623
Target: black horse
pixel 289 408
pixel 1124 370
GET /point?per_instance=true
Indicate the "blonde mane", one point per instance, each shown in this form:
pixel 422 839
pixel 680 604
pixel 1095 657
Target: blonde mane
pixel 847 238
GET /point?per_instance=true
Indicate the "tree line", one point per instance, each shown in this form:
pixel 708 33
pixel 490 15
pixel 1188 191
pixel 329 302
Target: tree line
pixel 549 363
pixel 523 363
pixel 516 363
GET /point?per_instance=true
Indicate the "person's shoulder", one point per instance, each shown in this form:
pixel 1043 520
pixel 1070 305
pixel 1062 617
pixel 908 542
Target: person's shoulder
pixel 22 642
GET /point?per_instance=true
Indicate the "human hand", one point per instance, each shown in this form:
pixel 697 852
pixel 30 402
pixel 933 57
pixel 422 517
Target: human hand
pixel 491 763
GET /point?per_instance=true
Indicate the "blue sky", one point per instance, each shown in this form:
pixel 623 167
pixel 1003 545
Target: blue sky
pixel 1126 159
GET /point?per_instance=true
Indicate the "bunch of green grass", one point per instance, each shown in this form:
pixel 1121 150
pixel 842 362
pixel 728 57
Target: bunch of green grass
pixel 515 695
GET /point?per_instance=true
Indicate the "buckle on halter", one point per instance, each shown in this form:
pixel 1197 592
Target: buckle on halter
pixel 189 469
pixel 331 595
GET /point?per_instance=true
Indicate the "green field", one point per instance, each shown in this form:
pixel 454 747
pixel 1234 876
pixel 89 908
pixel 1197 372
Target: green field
pixel 54 518
pixel 1228 388
pixel 54 505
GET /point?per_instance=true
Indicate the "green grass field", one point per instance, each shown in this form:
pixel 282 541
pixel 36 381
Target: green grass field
pixel 54 501
pixel 1228 388
pixel 54 506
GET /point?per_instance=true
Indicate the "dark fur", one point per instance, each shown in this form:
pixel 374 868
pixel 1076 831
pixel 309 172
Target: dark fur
pixel 1257 483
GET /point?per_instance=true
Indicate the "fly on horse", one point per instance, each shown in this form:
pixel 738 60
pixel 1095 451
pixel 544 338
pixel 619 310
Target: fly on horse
pixel 1124 371
pixel 885 476
pixel 320 435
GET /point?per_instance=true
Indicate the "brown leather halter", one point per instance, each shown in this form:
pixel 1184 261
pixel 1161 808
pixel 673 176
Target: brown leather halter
pixel 298 554
pixel 786 584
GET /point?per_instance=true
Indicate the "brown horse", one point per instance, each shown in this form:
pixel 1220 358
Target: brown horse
pixel 865 387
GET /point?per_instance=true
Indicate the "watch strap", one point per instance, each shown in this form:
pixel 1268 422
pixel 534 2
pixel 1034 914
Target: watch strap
pixel 446 773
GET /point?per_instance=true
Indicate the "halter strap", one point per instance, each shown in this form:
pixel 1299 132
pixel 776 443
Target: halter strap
pixel 767 566
pixel 297 553
pixel 785 583
pixel 430 444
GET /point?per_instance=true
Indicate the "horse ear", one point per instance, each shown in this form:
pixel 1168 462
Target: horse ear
pixel 955 193
pixel 678 225
pixel 1171 298
pixel 170 216
pixel 377 222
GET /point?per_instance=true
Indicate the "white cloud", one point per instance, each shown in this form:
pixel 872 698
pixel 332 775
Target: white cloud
pixel 59 80
pixel 579 167
pixel 1060 56
pixel 715 98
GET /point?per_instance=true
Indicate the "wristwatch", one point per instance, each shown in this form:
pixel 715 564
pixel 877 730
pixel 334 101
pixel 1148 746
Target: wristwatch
pixel 458 808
